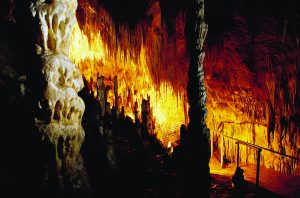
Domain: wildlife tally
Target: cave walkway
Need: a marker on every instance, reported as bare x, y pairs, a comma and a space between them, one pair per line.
284, 185
127, 166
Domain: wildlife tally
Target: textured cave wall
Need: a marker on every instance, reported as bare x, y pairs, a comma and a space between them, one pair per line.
252, 76
18, 148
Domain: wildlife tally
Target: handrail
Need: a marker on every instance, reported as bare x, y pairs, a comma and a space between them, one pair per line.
238, 142
258, 147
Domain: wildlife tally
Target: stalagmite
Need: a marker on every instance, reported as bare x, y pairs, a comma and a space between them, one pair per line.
146, 116
196, 148
101, 93
136, 112
58, 108
116, 94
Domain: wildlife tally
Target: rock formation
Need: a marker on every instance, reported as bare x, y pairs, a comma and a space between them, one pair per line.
252, 78
58, 109
101, 94
196, 148
116, 95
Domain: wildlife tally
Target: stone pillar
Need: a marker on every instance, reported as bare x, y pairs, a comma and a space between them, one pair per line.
145, 118
196, 147
136, 112
101, 93
106, 92
116, 95
58, 109
196, 88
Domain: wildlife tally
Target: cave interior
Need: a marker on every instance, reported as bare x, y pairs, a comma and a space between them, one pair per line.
120, 98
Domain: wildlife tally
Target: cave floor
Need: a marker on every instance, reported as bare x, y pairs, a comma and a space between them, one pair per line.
145, 169
285, 185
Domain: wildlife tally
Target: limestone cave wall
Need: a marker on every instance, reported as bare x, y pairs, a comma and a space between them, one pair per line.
252, 77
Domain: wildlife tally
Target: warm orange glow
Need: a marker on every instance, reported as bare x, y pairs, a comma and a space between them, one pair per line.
149, 61
93, 54
236, 125
169, 144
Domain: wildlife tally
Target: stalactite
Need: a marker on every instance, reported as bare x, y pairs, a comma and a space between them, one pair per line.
284, 30
271, 84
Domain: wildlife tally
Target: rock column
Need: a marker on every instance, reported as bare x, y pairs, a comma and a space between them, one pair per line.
58, 109
116, 87
196, 147
101, 94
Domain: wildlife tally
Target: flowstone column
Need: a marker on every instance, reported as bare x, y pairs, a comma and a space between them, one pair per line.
196, 147
58, 109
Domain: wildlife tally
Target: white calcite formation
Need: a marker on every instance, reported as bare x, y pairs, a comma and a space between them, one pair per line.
59, 109
56, 20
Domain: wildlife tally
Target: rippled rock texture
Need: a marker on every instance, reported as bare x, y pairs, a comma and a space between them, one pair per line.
58, 110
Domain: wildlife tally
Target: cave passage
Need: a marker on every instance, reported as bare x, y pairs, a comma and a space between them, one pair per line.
141, 98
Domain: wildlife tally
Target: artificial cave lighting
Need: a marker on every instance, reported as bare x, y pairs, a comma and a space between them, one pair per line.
137, 62
141, 98
151, 63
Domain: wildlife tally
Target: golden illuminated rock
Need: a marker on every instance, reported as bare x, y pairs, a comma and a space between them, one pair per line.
136, 58
256, 101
